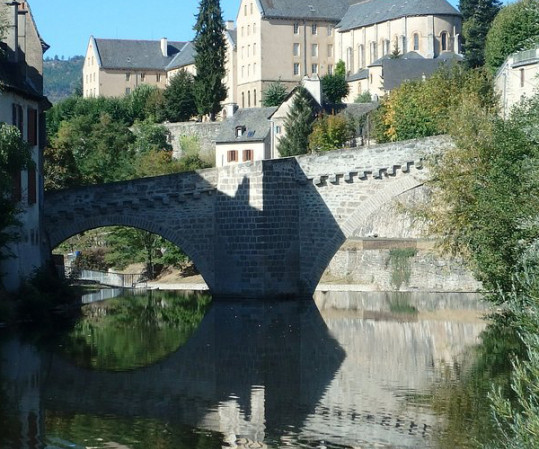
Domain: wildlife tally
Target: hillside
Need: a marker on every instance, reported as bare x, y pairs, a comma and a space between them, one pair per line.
62, 77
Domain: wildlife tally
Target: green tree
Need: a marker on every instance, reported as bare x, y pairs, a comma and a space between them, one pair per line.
210, 56
421, 108
274, 94
334, 88
60, 168
515, 28
150, 137
331, 132
298, 125
478, 16
14, 156
180, 103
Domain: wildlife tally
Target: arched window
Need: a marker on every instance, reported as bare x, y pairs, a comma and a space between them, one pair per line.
349, 59
373, 52
415, 39
443, 39
361, 56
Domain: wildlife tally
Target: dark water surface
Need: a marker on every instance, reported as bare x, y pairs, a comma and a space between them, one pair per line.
169, 371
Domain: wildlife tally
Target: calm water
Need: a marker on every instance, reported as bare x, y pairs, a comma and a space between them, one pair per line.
347, 370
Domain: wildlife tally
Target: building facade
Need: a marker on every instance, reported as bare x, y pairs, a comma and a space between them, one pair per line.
518, 78
22, 104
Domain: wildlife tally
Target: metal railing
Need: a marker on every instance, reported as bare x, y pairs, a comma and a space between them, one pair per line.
108, 278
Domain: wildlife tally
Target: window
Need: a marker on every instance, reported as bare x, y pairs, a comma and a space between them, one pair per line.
374, 52
314, 29
127, 76
522, 78
314, 50
243, 99
248, 98
330, 69
330, 30
248, 30
158, 77
444, 41
240, 130
296, 49
241, 31
251, 8
296, 28
349, 59
330, 51
127, 90
416, 41
32, 126
32, 184
232, 156
314, 69
386, 44
254, 28
249, 70
248, 50
277, 129
142, 76
247, 155
244, 10
254, 97
17, 118
254, 49
361, 56
296, 68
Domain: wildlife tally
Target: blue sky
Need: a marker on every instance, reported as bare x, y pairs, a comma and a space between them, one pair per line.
66, 25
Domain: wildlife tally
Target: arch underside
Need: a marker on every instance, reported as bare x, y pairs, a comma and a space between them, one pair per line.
384, 198
188, 243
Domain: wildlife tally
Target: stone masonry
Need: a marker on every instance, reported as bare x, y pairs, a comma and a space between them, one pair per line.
266, 229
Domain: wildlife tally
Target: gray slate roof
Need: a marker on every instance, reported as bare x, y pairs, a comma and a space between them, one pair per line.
135, 54
305, 9
396, 71
185, 57
369, 12
256, 123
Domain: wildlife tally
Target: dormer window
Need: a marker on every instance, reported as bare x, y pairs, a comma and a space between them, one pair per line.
240, 130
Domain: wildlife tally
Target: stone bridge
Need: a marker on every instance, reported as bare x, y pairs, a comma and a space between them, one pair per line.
266, 229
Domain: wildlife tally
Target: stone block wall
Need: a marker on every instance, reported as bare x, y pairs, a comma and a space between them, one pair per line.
205, 132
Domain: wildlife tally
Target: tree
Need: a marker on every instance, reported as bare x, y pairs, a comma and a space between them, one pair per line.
210, 48
180, 103
334, 88
14, 156
477, 15
298, 125
515, 28
331, 132
420, 108
274, 94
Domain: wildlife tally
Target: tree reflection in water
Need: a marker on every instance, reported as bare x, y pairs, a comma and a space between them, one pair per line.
133, 331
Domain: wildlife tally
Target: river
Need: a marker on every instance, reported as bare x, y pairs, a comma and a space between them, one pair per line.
170, 370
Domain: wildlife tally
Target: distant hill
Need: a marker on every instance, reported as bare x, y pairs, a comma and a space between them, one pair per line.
61, 78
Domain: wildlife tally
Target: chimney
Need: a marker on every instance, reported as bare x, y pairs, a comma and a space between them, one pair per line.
13, 32
229, 25
230, 109
314, 86
164, 46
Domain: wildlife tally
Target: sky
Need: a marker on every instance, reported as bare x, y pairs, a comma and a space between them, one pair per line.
66, 25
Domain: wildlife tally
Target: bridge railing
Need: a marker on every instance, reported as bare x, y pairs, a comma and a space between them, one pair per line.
108, 278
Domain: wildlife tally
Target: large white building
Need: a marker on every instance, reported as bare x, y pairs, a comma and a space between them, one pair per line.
22, 104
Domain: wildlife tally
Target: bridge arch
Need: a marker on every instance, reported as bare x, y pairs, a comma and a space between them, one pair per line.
363, 213
182, 240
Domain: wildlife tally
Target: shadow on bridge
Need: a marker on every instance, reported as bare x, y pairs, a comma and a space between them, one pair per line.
257, 230
250, 368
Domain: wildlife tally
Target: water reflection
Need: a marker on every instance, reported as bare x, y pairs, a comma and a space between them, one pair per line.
345, 370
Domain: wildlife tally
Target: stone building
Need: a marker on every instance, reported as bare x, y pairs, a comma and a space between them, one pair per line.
22, 104
518, 78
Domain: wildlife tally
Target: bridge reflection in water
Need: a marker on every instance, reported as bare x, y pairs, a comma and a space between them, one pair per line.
338, 369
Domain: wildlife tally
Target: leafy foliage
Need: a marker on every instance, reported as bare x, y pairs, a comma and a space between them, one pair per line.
334, 88
210, 47
180, 102
515, 28
484, 189
421, 108
477, 15
331, 132
363, 97
298, 125
274, 94
14, 156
